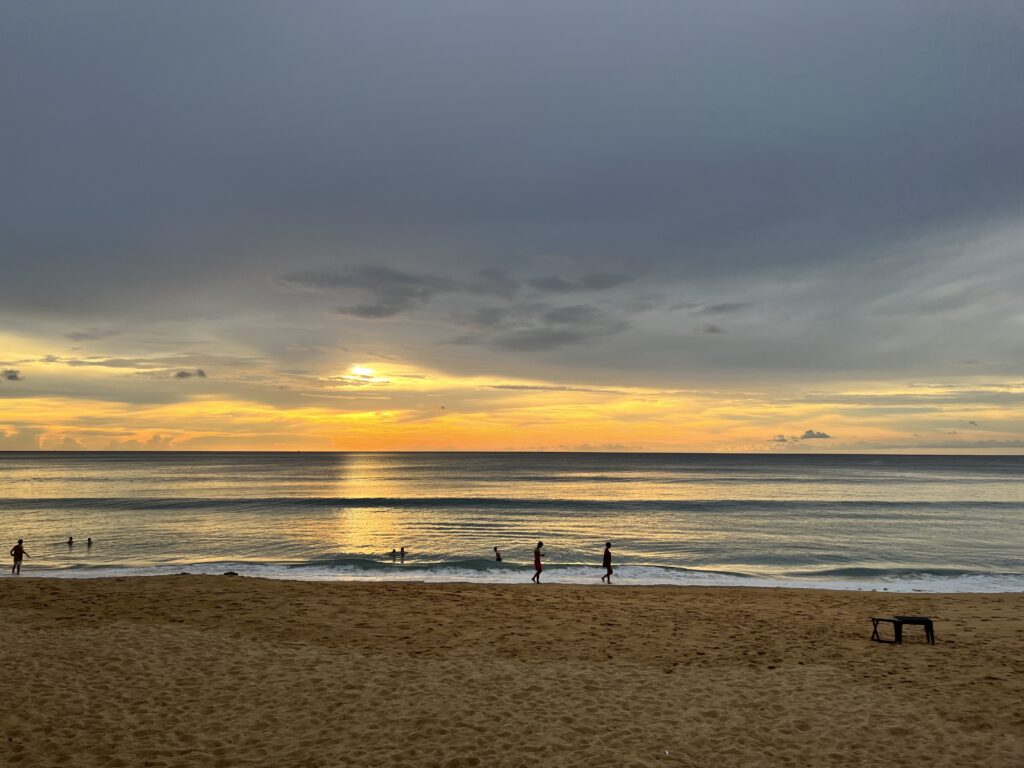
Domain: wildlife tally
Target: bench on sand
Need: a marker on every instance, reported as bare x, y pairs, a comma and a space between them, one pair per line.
897, 627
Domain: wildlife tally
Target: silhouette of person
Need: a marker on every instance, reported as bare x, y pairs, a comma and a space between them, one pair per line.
401, 555
497, 555
606, 563
71, 542
393, 555
88, 543
537, 555
18, 552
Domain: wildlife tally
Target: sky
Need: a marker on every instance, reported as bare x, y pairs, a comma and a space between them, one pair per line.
650, 226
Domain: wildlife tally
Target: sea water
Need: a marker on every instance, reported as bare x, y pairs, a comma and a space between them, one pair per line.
930, 523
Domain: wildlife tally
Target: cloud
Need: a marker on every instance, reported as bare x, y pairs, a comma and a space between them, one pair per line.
539, 339
718, 309
197, 373
588, 447
10, 374
91, 335
553, 388
157, 442
21, 439
710, 328
971, 444
483, 317
156, 363
810, 434
537, 326
780, 439
66, 443
559, 327
578, 314
594, 281
394, 291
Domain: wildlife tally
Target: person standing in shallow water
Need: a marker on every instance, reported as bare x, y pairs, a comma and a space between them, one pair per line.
606, 563
71, 541
497, 555
18, 552
401, 555
537, 555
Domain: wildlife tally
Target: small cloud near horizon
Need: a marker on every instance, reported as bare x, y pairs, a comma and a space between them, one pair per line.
810, 434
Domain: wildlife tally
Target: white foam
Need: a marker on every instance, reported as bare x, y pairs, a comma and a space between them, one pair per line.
624, 575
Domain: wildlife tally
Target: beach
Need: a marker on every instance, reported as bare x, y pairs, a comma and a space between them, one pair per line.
235, 671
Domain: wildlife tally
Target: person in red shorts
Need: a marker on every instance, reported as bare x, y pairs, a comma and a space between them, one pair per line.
18, 552
537, 555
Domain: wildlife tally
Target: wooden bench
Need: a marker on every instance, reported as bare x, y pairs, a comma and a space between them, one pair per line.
897, 627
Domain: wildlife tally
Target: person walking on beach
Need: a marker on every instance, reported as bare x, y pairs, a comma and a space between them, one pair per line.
18, 552
497, 555
537, 555
606, 563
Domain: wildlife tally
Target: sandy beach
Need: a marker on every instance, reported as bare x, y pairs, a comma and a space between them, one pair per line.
223, 671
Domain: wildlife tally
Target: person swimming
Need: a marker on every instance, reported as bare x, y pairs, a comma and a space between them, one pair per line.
537, 555
497, 555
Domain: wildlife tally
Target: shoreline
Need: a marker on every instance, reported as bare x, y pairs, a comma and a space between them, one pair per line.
569, 575
516, 584
217, 670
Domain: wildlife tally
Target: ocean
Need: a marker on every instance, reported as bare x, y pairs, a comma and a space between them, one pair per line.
927, 523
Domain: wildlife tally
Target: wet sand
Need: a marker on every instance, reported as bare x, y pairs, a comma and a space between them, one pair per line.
222, 671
